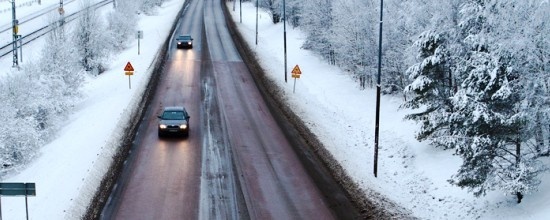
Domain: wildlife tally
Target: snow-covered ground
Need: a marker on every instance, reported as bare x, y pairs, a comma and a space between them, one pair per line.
410, 173
69, 168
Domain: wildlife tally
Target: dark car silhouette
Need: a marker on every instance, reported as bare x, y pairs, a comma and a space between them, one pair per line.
184, 41
174, 120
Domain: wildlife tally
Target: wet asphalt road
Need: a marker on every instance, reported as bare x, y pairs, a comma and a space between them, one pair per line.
236, 163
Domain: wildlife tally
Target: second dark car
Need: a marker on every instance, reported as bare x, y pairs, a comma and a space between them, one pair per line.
184, 41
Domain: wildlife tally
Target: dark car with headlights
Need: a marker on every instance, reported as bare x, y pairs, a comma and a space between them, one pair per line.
184, 41
174, 120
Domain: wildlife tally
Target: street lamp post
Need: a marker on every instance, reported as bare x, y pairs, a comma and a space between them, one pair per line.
284, 35
377, 125
257, 21
241, 11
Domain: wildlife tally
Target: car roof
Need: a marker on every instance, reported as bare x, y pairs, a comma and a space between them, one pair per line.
185, 36
174, 108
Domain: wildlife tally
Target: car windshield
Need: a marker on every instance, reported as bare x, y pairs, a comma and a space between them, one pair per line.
186, 37
172, 115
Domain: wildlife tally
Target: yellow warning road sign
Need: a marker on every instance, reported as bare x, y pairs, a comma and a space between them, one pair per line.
296, 70
129, 67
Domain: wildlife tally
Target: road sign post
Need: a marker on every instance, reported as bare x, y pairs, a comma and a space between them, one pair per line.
296, 72
139, 36
129, 71
18, 189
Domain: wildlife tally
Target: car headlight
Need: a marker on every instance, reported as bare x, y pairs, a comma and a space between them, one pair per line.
183, 126
189, 43
162, 126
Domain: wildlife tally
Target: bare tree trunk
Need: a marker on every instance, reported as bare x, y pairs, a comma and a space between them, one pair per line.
539, 138
362, 79
547, 153
519, 195
402, 86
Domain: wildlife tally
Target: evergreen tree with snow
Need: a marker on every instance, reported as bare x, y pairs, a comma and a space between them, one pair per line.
431, 89
491, 129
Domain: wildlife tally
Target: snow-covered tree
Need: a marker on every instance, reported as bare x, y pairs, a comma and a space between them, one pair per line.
122, 24
527, 35
274, 7
294, 12
354, 36
431, 89
61, 76
149, 7
317, 22
491, 129
398, 36
90, 40
59, 63
19, 132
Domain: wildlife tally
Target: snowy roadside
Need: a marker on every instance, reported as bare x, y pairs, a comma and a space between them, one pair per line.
410, 173
342, 116
70, 168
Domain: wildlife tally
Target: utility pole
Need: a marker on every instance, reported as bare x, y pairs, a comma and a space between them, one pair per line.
61, 13
284, 34
15, 29
241, 11
377, 126
257, 21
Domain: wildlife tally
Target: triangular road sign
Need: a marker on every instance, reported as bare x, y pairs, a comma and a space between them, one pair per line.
129, 67
296, 70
